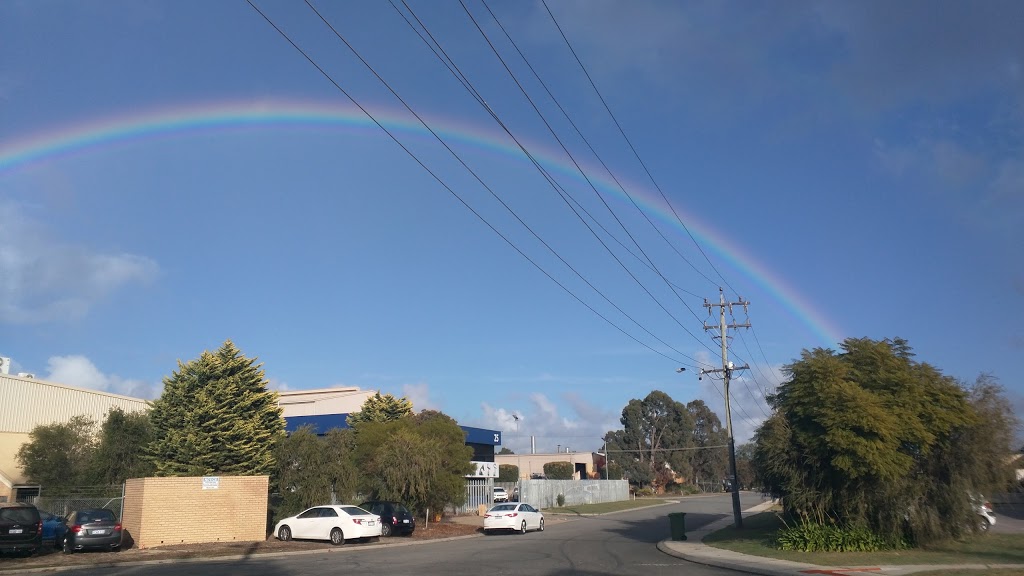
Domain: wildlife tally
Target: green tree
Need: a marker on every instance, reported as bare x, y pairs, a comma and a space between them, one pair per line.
745, 466
508, 472
314, 470
216, 416
57, 456
378, 408
120, 453
651, 429
558, 470
871, 437
421, 461
505, 450
711, 462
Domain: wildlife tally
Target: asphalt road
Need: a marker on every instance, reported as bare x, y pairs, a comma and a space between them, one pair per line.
617, 544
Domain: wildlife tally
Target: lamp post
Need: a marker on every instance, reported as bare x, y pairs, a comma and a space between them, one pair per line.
519, 461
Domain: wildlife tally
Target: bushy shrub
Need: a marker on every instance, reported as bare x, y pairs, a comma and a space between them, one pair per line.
508, 473
558, 471
645, 493
560, 500
818, 537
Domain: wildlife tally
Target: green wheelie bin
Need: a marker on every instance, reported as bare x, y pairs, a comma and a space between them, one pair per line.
677, 521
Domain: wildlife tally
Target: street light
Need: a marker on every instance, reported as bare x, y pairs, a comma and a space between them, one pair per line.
519, 461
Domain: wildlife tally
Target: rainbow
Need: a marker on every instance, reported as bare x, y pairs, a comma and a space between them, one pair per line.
103, 132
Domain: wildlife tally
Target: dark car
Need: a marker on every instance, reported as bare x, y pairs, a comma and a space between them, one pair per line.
21, 528
394, 517
54, 528
96, 528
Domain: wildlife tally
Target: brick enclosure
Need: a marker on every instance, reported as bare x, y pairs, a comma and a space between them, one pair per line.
164, 511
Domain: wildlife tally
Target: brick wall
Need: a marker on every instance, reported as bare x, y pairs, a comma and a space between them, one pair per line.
164, 511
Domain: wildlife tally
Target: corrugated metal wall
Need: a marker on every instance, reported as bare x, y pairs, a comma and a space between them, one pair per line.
26, 403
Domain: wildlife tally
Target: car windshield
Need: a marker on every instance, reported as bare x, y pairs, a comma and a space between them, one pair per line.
504, 508
499, 489
17, 514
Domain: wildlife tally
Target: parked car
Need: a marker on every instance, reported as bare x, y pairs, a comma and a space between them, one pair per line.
394, 517
94, 528
21, 528
334, 523
500, 495
984, 509
515, 517
54, 528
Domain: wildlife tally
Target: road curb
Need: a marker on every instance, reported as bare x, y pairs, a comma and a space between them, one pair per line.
261, 555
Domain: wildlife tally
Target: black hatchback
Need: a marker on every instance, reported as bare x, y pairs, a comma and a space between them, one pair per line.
21, 528
394, 517
94, 528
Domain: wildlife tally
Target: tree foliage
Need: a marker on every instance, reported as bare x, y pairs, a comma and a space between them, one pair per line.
505, 450
870, 437
651, 429
711, 462
216, 416
558, 470
508, 473
745, 466
58, 456
381, 408
120, 451
314, 470
420, 460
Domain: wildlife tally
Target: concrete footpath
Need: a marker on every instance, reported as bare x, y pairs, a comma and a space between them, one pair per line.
694, 550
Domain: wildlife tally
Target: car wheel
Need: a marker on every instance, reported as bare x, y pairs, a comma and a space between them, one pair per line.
385, 530
522, 527
337, 537
541, 524
285, 533
985, 524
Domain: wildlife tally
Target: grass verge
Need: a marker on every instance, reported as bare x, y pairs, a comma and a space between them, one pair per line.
759, 531
605, 507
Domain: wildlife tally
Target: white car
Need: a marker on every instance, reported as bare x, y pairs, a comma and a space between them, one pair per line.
984, 509
512, 516
334, 523
500, 495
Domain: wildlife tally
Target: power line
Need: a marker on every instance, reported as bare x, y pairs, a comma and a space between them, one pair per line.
587, 142
494, 194
589, 182
455, 71
453, 68
440, 181
630, 143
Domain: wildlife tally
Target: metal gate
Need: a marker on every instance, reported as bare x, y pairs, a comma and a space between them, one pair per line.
478, 491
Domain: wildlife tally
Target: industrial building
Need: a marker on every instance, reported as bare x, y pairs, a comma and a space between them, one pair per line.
327, 408
29, 402
584, 464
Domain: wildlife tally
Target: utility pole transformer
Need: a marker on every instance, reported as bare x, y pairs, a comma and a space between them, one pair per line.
726, 370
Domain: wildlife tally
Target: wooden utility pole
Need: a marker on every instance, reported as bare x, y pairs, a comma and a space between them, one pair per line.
726, 370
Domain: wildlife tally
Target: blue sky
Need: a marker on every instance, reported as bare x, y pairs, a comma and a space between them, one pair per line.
174, 175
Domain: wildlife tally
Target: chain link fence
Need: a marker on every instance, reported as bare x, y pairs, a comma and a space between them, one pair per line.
63, 502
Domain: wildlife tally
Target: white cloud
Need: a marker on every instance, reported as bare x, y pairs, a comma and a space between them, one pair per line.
419, 395
46, 280
278, 385
77, 370
580, 428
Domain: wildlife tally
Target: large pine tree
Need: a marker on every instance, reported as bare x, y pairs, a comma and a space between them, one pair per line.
216, 416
